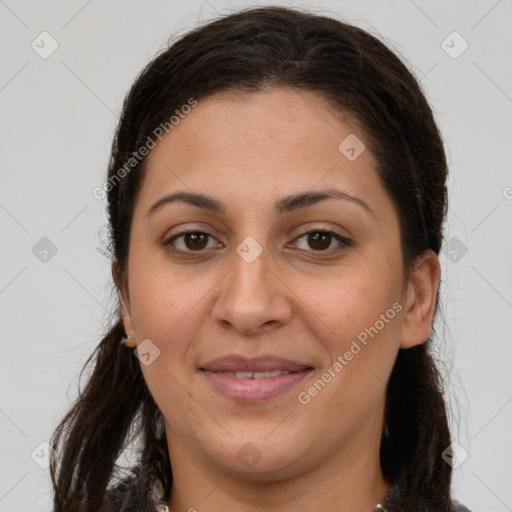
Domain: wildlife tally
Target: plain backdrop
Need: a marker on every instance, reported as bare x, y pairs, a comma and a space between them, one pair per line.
65, 68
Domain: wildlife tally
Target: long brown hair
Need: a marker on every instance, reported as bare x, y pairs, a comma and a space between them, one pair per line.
358, 75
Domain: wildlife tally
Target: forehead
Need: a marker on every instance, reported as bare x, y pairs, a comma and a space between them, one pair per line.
261, 145
277, 117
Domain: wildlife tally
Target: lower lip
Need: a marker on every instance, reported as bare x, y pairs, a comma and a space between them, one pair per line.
254, 390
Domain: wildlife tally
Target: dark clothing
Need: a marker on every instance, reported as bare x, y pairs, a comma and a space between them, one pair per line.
126, 498
394, 500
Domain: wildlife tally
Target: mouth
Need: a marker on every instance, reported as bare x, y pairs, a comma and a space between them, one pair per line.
255, 375
253, 380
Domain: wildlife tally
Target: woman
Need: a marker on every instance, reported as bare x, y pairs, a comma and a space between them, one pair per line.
276, 196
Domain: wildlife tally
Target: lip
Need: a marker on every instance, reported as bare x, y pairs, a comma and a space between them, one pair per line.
252, 389
247, 390
236, 363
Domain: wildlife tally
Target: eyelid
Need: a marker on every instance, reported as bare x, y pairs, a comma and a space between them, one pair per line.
191, 228
343, 240
321, 229
168, 241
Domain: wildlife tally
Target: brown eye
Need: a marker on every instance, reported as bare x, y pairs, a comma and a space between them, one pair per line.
194, 241
190, 241
320, 241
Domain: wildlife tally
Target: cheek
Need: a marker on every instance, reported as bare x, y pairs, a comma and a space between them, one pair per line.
164, 310
361, 352
348, 303
161, 298
360, 324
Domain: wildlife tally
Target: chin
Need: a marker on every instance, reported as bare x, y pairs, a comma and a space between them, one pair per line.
255, 458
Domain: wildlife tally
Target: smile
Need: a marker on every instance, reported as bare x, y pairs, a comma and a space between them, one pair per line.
254, 386
255, 375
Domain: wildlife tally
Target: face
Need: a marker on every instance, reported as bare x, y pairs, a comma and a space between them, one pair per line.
293, 253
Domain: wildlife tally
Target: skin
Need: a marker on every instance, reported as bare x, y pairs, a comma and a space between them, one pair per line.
294, 300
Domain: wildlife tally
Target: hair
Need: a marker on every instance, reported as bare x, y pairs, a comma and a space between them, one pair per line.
246, 52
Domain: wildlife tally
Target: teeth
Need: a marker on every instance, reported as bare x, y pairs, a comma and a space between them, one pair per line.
242, 375
257, 375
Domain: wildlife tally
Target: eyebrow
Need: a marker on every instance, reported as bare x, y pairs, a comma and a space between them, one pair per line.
285, 205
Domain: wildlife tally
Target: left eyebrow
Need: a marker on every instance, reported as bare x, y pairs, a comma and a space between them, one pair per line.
284, 205
304, 199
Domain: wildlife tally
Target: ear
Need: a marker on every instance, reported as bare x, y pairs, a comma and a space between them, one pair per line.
125, 305
420, 300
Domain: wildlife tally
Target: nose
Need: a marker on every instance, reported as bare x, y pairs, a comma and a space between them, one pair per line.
253, 297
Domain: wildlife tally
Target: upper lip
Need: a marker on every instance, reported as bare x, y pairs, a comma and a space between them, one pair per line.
236, 363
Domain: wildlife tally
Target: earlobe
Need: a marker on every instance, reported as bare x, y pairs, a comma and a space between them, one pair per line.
420, 301
129, 342
127, 323
125, 307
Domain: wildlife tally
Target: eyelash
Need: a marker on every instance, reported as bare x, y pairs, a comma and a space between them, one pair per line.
344, 242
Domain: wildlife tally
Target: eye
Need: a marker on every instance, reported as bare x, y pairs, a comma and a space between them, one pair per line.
318, 240
192, 241
321, 240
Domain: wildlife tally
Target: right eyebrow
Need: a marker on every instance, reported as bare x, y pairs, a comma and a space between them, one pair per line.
194, 199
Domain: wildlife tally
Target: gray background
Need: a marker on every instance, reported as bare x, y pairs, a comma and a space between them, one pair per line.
58, 117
